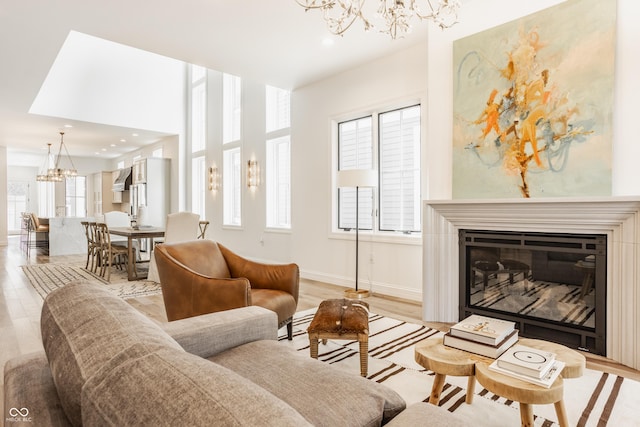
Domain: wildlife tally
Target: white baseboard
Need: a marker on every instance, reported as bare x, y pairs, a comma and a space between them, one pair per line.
392, 290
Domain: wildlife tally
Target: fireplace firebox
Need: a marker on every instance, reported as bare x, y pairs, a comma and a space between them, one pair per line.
553, 285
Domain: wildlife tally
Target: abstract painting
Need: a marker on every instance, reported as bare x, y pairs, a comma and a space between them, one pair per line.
533, 105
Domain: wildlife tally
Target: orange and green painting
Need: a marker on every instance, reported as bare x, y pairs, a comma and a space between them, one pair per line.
533, 105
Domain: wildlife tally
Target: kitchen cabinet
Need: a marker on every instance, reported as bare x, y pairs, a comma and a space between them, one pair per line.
104, 198
151, 191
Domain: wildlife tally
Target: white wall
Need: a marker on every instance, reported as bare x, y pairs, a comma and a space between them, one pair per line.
626, 149
396, 268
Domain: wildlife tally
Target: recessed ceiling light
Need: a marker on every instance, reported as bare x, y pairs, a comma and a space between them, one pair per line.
68, 126
97, 153
104, 149
134, 134
123, 140
113, 145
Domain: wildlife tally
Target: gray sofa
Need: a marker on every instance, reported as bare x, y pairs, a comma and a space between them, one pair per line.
104, 363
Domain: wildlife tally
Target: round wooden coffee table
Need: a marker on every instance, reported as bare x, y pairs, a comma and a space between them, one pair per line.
431, 354
528, 394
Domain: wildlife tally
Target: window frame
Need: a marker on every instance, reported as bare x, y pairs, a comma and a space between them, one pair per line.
375, 234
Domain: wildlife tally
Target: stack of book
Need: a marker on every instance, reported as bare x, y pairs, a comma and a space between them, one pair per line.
529, 364
482, 335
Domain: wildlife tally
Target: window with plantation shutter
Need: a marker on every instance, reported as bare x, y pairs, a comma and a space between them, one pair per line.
399, 169
355, 151
387, 141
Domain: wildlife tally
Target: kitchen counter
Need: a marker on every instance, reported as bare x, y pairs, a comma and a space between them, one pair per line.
67, 236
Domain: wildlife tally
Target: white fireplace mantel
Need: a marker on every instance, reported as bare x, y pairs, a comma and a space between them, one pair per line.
617, 217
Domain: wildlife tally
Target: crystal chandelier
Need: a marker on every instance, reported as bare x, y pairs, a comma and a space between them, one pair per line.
53, 170
396, 14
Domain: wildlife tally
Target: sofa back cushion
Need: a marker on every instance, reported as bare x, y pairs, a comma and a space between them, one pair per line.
84, 325
171, 388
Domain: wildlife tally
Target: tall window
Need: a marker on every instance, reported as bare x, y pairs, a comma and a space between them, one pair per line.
278, 148
198, 108
231, 187
278, 108
355, 151
395, 149
399, 166
198, 180
231, 108
279, 183
198, 138
76, 196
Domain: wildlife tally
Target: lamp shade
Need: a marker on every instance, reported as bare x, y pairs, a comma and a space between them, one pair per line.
357, 178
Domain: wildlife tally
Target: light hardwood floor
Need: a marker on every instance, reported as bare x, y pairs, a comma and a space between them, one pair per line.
20, 308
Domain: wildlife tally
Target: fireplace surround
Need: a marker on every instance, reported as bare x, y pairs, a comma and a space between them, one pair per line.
617, 217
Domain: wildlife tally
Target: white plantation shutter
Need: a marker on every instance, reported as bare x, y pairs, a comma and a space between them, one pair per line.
399, 170
355, 147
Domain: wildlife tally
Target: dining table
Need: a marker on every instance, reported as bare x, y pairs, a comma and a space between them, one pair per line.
134, 233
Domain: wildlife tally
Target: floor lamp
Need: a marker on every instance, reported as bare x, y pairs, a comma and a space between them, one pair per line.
357, 178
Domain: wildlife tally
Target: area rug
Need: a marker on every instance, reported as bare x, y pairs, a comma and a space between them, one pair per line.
46, 277
595, 399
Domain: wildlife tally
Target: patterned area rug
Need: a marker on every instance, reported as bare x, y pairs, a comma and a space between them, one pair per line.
46, 277
595, 399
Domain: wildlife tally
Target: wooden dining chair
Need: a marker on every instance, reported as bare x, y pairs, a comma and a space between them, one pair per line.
110, 255
92, 244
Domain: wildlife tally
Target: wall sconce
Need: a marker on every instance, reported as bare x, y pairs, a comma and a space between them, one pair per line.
253, 174
214, 179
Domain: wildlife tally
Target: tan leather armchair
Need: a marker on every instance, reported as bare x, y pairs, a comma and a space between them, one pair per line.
202, 276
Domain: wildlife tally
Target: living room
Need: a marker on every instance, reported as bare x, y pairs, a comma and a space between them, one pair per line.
393, 265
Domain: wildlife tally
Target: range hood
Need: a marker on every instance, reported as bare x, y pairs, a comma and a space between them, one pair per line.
123, 181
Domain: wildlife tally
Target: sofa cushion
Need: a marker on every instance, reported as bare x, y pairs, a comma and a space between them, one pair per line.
29, 388
324, 395
83, 326
171, 388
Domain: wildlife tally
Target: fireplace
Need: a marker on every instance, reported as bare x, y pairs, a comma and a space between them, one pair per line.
553, 285
618, 218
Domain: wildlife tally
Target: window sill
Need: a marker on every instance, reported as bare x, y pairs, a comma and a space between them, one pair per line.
391, 238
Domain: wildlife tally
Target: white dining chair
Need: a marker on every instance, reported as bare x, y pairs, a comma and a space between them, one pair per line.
181, 227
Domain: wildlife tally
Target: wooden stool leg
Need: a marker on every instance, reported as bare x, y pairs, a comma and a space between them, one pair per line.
363, 339
436, 390
561, 413
471, 387
526, 414
313, 345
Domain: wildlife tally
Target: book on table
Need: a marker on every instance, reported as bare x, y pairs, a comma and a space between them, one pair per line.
556, 368
527, 360
486, 330
482, 349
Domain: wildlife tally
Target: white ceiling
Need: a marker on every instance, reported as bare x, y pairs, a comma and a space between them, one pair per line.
272, 42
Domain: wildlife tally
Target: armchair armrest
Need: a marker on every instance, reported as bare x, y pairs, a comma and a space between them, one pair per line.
213, 333
187, 293
282, 277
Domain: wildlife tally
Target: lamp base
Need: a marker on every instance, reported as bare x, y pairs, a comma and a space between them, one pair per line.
356, 293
